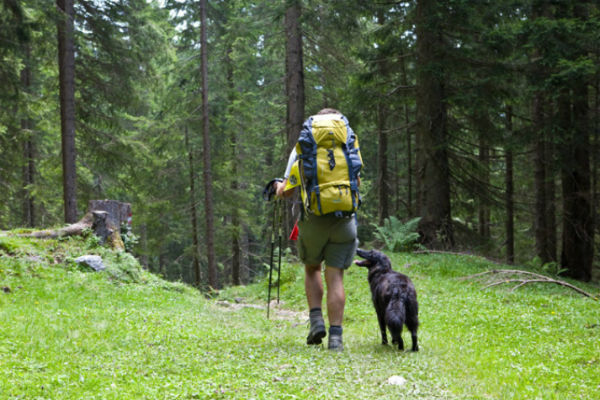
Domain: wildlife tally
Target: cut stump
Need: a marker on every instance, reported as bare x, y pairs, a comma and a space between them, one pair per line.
104, 218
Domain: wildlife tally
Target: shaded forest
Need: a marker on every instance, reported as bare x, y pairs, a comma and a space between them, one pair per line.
482, 118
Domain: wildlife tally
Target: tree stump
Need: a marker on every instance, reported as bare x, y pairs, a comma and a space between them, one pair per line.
104, 218
109, 216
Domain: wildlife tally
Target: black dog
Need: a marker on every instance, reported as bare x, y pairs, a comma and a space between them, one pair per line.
394, 297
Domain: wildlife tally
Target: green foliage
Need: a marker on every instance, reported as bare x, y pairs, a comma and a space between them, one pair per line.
130, 239
71, 333
7, 245
398, 236
138, 92
550, 268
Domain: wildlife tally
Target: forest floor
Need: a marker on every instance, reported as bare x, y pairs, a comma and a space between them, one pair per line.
67, 332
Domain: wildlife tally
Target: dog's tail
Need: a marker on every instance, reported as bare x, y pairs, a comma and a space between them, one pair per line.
395, 313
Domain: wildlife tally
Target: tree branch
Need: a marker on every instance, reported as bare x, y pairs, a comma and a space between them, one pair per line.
521, 280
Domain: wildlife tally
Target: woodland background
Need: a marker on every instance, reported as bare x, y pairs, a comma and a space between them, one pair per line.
480, 117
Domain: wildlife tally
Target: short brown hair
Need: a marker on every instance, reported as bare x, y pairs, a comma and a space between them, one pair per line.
328, 111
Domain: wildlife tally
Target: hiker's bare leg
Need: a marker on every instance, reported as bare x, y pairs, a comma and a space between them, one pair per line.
336, 296
313, 285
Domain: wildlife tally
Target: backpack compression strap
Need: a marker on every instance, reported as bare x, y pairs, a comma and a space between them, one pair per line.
350, 141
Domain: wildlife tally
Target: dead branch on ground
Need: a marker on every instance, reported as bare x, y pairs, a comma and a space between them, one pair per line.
522, 278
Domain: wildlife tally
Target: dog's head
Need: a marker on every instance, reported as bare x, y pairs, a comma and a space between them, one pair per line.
373, 258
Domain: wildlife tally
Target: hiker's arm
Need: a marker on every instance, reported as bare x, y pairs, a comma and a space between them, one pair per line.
281, 185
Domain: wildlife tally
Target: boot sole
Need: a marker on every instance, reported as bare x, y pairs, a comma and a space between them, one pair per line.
317, 337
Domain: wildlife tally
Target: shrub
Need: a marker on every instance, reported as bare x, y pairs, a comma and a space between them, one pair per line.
397, 236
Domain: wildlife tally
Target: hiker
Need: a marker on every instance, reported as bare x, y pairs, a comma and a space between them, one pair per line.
327, 227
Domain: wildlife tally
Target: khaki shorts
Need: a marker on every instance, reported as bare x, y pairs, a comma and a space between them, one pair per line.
328, 238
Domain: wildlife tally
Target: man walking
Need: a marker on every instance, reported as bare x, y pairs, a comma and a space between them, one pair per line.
329, 164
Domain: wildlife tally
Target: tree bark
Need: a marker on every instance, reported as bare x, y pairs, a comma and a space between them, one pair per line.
485, 126
578, 222
194, 214
382, 136
409, 150
294, 73
28, 147
539, 160
236, 251
66, 62
435, 226
294, 89
544, 219
207, 174
509, 192
382, 164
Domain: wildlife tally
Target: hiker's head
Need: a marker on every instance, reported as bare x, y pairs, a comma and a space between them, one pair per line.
328, 111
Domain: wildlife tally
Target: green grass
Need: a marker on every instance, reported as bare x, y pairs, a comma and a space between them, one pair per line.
68, 333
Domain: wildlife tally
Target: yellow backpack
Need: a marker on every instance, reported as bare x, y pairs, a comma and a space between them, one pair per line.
329, 164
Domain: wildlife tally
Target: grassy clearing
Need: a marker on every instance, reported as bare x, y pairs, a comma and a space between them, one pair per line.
125, 334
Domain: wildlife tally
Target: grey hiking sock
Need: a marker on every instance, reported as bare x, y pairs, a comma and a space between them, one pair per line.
335, 343
335, 338
335, 330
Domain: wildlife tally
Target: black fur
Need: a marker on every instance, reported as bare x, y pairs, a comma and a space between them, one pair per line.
394, 297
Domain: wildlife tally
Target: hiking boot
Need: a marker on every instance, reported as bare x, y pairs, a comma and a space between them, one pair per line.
316, 333
335, 343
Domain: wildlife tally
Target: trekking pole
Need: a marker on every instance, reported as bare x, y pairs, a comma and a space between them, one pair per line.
271, 258
280, 202
268, 193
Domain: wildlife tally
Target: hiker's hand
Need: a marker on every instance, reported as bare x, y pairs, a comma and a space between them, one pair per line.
280, 192
271, 189
279, 186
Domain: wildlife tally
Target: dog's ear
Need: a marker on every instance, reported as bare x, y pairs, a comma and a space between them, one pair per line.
381, 259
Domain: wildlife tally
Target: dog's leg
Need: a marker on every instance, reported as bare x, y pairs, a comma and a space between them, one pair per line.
397, 339
412, 323
381, 319
415, 345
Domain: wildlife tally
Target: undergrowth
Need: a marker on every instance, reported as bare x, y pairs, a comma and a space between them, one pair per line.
67, 332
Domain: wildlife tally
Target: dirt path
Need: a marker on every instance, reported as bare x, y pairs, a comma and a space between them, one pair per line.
276, 310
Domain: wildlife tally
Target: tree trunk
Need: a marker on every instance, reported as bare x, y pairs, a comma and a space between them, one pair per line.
28, 147
578, 224
194, 214
435, 226
409, 171
143, 257
382, 164
485, 127
66, 63
294, 89
236, 251
595, 147
382, 136
509, 192
540, 160
294, 73
551, 238
208, 195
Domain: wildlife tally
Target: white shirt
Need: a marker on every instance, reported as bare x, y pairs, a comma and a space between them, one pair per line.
291, 160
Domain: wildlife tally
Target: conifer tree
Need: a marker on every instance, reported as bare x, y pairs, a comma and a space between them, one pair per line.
66, 61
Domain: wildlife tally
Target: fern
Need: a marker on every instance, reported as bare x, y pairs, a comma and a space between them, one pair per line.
398, 236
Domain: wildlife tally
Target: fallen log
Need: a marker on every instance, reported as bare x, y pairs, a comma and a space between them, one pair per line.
104, 218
